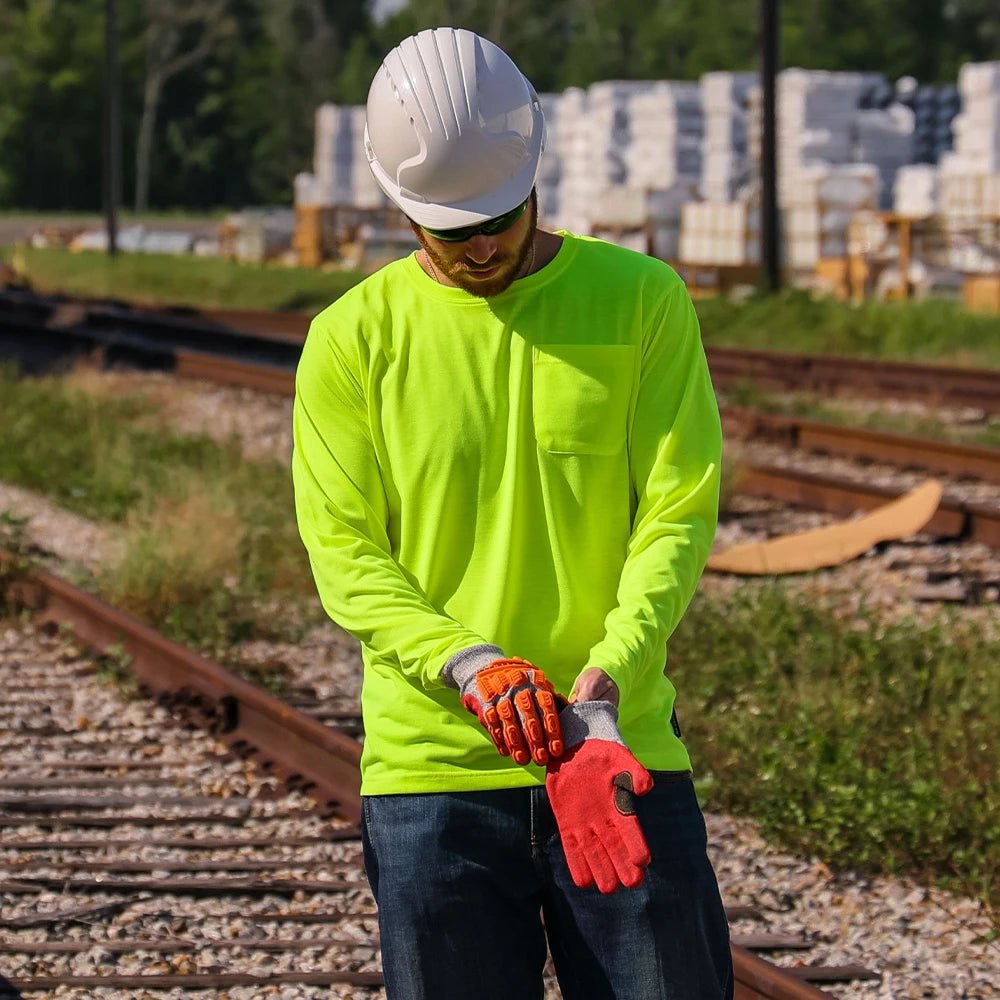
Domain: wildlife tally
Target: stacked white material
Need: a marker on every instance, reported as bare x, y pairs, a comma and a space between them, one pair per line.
638, 135
817, 121
970, 175
819, 208
969, 198
550, 169
816, 115
570, 189
665, 130
340, 167
664, 208
915, 191
885, 138
262, 233
720, 233
644, 219
977, 128
725, 162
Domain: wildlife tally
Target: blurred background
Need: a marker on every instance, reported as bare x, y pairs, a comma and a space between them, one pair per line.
235, 132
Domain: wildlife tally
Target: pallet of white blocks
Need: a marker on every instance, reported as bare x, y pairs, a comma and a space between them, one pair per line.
340, 166
977, 127
915, 191
719, 234
725, 161
644, 219
885, 138
819, 205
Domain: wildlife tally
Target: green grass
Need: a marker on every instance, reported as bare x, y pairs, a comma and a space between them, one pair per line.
210, 539
204, 282
909, 331
873, 746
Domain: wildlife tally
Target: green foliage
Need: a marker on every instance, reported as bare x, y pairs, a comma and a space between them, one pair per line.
797, 321
15, 560
235, 127
196, 281
208, 536
871, 745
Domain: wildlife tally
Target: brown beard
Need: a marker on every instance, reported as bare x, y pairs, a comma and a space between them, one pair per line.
510, 267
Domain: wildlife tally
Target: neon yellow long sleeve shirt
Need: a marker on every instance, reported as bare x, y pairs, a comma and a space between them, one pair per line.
538, 471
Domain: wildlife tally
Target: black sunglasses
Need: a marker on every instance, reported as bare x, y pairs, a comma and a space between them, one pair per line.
491, 227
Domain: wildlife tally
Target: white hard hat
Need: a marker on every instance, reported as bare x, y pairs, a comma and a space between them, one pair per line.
454, 131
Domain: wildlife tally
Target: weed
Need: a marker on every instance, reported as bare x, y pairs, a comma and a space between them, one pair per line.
796, 321
114, 669
208, 536
871, 745
195, 281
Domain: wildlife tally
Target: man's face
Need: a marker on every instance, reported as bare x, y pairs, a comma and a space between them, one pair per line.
483, 265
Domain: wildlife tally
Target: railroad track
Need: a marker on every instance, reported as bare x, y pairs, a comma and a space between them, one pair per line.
136, 856
139, 855
202, 344
64, 326
259, 351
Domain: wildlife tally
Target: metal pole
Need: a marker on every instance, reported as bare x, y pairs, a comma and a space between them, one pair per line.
770, 235
112, 126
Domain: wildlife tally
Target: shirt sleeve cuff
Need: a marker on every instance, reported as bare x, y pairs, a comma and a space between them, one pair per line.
466, 663
589, 720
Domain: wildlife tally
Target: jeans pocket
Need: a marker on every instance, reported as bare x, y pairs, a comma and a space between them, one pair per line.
580, 397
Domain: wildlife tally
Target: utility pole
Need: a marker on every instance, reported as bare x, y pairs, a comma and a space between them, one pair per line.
112, 126
770, 235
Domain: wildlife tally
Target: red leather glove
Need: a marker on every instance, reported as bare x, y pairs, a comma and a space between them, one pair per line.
590, 790
514, 701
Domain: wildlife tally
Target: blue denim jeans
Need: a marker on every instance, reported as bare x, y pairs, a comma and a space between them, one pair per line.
470, 884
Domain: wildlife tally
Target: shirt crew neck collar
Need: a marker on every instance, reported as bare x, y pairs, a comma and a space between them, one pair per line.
458, 296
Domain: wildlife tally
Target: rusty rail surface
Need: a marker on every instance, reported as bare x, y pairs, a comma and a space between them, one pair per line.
932, 384
904, 450
150, 335
319, 761
954, 519
843, 497
233, 709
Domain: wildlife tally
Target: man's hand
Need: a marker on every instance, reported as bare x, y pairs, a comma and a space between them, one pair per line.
518, 707
591, 789
594, 685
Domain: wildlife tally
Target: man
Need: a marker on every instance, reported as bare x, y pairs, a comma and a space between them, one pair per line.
507, 466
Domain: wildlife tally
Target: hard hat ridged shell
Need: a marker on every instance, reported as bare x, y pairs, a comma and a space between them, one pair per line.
454, 130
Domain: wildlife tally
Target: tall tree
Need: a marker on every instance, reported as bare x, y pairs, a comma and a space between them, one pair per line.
177, 35
50, 108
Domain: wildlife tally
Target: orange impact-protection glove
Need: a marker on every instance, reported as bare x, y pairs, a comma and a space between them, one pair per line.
513, 700
590, 790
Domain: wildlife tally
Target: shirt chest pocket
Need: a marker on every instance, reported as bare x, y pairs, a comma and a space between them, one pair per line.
580, 397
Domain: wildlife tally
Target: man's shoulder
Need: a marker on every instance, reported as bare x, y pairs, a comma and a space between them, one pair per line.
360, 299
613, 262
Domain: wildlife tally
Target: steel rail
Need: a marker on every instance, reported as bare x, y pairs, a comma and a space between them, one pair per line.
233, 709
932, 384
908, 451
324, 763
153, 333
954, 519
843, 497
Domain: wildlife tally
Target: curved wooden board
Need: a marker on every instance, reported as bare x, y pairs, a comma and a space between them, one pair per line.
834, 544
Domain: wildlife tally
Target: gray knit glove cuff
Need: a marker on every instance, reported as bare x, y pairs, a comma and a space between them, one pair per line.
589, 720
466, 663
